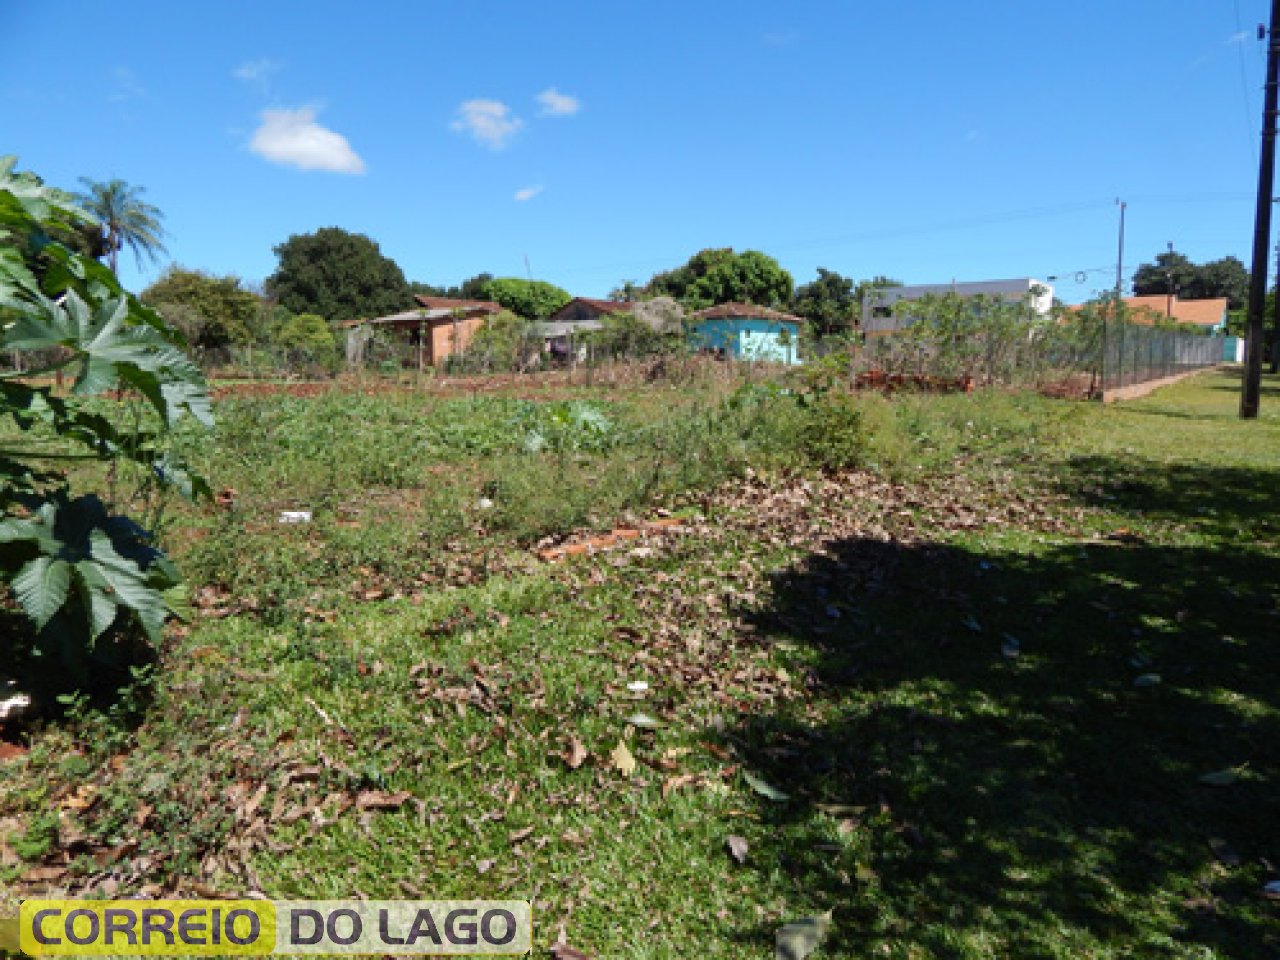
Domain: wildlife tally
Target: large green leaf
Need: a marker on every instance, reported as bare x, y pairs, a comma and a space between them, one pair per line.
41, 586
36, 530
97, 596
129, 584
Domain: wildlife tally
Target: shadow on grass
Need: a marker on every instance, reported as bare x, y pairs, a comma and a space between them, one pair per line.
1043, 804
1232, 382
1219, 501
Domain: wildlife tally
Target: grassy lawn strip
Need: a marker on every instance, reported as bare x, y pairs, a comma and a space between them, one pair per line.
965, 700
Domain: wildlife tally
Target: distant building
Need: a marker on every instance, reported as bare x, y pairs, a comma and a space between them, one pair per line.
1210, 313
581, 315
879, 317
435, 332
1156, 308
586, 313
747, 332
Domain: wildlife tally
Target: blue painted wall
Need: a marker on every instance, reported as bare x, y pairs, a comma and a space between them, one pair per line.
750, 338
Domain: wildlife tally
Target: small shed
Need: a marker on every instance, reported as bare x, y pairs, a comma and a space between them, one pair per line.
434, 333
747, 332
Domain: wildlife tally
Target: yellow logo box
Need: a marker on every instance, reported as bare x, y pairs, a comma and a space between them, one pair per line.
207, 928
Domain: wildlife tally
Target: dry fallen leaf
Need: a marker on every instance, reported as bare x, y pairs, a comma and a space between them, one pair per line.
838, 809
515, 836
672, 784
575, 755
622, 759
562, 951
716, 750
44, 874
738, 847
378, 800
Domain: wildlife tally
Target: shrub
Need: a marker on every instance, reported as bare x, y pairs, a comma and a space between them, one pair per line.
307, 338
832, 433
81, 574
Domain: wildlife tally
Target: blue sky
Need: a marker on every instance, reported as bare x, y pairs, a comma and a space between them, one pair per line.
927, 141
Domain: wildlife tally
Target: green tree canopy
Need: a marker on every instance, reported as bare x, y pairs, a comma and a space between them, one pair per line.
473, 288
827, 303
722, 276
338, 275
531, 299
212, 311
1192, 281
124, 220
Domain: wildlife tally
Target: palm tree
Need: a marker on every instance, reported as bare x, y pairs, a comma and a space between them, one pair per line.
125, 218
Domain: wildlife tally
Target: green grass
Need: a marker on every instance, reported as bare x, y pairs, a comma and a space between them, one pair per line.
845, 638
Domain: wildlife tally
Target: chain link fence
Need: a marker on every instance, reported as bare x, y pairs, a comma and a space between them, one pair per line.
1133, 353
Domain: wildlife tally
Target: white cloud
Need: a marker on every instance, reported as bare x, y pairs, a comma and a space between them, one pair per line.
528, 193
489, 121
125, 85
255, 71
294, 139
557, 104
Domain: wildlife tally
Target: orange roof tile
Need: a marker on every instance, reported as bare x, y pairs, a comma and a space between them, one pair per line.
747, 310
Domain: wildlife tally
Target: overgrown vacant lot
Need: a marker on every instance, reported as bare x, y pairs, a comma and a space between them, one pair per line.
1007, 690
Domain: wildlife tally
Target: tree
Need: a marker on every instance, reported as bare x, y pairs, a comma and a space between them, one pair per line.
211, 311
83, 576
1174, 272
504, 341
309, 336
625, 292
827, 303
868, 288
338, 275
473, 288
531, 299
721, 276
124, 220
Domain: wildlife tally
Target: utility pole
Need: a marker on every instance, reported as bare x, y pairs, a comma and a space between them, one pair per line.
1275, 309
1119, 294
1252, 390
1168, 279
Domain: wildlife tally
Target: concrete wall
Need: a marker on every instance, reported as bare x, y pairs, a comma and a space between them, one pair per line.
447, 337
883, 299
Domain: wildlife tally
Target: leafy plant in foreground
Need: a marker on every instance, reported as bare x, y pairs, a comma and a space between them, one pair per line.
77, 570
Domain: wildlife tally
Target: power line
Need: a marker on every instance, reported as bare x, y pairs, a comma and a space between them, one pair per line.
918, 229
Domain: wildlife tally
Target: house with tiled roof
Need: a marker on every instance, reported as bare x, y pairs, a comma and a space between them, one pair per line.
586, 312
1209, 314
745, 331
